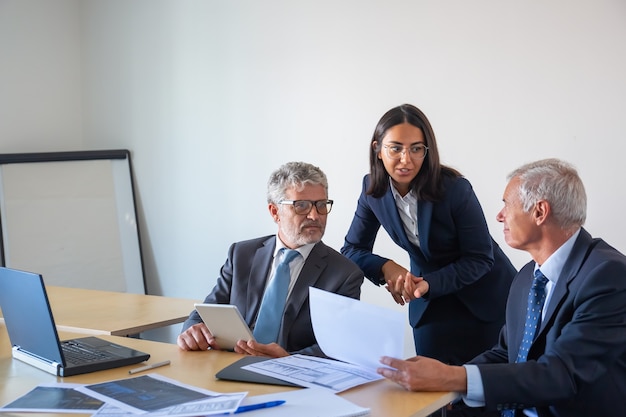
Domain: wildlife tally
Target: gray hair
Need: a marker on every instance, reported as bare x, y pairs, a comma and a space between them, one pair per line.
293, 174
558, 183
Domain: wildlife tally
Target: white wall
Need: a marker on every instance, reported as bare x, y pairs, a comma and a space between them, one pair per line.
211, 96
40, 76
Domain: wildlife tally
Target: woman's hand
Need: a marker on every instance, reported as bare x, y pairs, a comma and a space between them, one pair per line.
401, 284
414, 287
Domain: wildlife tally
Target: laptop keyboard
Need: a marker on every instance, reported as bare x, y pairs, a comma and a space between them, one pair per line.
77, 353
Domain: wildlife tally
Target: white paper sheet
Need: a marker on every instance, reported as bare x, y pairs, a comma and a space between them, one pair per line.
307, 402
354, 331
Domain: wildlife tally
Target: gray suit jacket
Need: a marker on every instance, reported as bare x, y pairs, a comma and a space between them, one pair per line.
242, 283
577, 364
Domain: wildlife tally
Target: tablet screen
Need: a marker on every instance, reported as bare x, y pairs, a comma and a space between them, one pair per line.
225, 323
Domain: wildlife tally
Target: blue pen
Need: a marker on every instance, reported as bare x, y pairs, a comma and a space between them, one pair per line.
244, 408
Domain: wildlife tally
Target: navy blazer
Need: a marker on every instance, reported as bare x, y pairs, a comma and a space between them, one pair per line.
243, 278
577, 364
457, 255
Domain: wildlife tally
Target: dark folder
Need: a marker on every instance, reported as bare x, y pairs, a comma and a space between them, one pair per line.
234, 372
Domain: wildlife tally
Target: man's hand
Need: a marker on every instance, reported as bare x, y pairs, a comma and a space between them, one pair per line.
197, 337
272, 350
424, 374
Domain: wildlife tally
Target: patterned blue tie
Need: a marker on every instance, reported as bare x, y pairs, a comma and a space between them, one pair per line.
536, 299
273, 304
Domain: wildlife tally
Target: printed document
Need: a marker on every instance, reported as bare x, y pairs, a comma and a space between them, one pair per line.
354, 333
159, 395
151, 394
54, 398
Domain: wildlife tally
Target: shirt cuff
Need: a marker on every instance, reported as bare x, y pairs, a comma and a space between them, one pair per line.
475, 396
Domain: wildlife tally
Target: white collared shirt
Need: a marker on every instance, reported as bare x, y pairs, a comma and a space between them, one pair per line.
407, 208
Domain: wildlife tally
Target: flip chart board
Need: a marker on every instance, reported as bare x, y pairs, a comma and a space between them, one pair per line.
71, 217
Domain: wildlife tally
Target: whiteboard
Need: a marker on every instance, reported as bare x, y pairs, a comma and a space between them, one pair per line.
71, 217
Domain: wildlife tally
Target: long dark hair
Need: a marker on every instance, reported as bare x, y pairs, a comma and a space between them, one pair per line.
427, 183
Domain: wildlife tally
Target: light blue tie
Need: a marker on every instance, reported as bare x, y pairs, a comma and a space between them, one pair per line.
536, 299
273, 304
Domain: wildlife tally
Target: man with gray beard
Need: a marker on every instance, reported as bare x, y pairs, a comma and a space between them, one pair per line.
297, 196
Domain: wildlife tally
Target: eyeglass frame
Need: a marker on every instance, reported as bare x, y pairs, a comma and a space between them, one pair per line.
404, 151
327, 203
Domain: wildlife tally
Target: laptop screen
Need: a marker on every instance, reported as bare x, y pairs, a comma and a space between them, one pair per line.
27, 314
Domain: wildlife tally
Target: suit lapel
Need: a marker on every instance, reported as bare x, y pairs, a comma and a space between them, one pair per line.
309, 275
572, 266
424, 215
258, 276
395, 228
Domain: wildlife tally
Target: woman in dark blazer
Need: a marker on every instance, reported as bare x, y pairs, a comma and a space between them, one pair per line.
459, 277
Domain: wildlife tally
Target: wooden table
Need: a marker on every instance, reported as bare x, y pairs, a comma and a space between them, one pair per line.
384, 398
114, 313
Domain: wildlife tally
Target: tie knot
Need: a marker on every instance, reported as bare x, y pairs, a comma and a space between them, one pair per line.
288, 255
540, 280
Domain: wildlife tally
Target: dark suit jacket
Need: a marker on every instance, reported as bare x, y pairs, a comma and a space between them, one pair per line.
242, 283
577, 364
457, 255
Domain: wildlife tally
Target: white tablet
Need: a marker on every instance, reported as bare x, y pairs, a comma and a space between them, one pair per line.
225, 323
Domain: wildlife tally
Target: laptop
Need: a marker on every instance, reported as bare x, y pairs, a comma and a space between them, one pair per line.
34, 338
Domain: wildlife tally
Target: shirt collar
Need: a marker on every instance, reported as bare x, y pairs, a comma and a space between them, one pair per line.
396, 194
304, 250
553, 266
